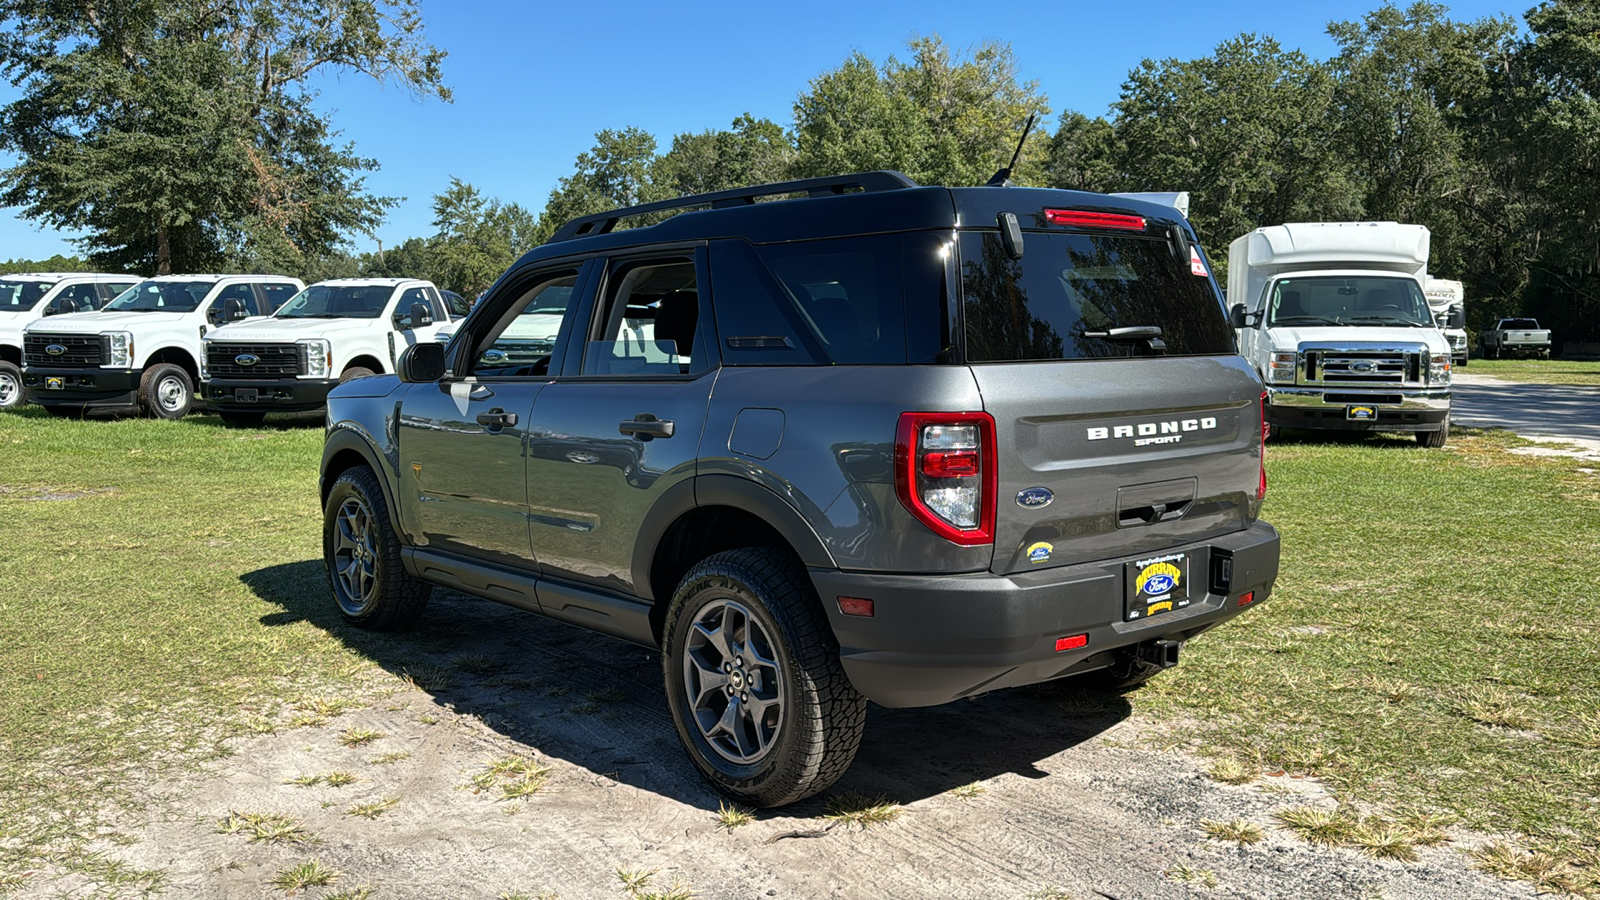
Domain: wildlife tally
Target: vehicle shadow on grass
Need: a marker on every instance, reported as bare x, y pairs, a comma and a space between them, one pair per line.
597, 702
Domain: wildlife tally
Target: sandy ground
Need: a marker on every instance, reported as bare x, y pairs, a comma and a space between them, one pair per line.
1074, 803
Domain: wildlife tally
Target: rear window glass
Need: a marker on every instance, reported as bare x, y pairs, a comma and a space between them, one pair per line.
1520, 324
1068, 293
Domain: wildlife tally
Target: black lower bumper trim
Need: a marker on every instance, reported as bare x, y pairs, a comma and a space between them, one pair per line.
86, 388
1336, 419
267, 395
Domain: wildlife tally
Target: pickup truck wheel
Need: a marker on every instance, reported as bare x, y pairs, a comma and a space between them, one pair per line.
754, 682
1433, 440
362, 555
354, 372
10, 386
165, 391
242, 419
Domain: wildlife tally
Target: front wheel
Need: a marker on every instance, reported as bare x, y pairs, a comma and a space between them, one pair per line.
1433, 440
354, 372
362, 556
165, 391
754, 682
10, 386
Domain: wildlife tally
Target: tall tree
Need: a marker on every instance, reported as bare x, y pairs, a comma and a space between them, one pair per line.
941, 117
478, 238
1083, 155
181, 133
754, 151
616, 172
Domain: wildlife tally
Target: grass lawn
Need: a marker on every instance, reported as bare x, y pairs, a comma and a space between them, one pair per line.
1432, 642
1540, 371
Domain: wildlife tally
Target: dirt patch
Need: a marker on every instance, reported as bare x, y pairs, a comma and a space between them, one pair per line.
1037, 792
49, 493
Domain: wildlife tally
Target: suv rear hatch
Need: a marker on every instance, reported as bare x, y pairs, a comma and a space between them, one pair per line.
1112, 438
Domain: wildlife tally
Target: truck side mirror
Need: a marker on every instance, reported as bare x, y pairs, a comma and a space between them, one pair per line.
420, 316
1238, 318
1458, 318
421, 363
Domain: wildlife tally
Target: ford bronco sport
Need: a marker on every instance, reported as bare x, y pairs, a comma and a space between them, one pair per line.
864, 440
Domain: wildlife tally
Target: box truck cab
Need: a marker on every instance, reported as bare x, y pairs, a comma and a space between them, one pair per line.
1334, 317
1447, 299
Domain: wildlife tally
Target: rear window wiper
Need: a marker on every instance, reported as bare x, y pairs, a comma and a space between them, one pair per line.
1150, 334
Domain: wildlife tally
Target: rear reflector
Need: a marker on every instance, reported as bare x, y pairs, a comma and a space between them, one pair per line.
855, 606
1086, 219
1247, 598
1072, 643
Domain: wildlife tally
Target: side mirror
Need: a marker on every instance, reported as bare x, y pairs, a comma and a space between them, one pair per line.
420, 316
1238, 318
1458, 318
421, 363
233, 310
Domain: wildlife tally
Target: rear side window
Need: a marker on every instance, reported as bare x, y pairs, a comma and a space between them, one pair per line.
1067, 293
276, 294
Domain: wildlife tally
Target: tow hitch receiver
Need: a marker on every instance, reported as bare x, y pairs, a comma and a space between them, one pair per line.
1160, 654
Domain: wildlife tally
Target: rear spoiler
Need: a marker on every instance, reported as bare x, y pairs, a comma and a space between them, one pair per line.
1178, 200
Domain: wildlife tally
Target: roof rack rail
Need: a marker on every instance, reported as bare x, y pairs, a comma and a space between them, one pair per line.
867, 182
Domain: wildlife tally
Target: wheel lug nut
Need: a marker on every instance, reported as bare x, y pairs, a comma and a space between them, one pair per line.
745, 697
727, 667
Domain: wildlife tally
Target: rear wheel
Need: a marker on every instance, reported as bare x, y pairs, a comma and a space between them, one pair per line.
1433, 440
754, 682
362, 556
165, 391
10, 386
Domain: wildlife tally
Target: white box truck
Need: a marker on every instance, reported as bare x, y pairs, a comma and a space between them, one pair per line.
1334, 317
1448, 301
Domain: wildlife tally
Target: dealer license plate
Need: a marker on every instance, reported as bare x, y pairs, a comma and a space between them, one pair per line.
1361, 413
1157, 585
54, 384
244, 395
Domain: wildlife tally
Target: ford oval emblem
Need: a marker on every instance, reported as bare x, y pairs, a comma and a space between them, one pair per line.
55, 349
1034, 498
1159, 584
247, 359
1363, 367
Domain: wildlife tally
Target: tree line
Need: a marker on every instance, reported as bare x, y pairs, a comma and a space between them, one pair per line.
1486, 131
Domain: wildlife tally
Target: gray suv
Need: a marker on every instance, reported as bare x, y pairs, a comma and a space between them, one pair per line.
824, 442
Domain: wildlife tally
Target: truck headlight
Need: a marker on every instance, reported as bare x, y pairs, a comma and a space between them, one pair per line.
1439, 368
118, 347
318, 356
1280, 368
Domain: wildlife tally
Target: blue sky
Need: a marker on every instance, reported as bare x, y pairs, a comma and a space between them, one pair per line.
534, 81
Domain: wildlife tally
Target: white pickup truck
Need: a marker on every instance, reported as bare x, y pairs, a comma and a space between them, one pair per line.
1333, 316
34, 295
1515, 337
329, 333
142, 350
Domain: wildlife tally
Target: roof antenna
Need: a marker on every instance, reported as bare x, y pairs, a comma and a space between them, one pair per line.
1002, 178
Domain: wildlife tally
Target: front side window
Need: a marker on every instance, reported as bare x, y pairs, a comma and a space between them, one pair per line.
233, 300
19, 296
162, 296
1085, 296
322, 301
650, 321
523, 338
1348, 300
77, 298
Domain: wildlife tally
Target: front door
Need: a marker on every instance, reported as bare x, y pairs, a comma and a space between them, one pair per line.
462, 440
623, 424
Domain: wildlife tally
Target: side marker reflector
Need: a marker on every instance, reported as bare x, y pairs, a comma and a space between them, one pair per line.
1247, 598
1072, 643
855, 606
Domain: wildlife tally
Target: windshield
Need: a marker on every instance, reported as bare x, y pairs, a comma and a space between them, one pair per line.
1085, 296
1348, 300
321, 301
19, 296
162, 296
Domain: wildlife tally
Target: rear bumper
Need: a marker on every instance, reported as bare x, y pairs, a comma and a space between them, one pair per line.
1328, 408
937, 638
272, 394
89, 388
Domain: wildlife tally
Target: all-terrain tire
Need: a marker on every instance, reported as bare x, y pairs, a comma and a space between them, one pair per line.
1433, 440
354, 372
166, 391
11, 394
361, 553
242, 419
819, 716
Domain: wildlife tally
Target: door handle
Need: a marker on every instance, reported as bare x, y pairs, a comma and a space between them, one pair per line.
497, 418
644, 426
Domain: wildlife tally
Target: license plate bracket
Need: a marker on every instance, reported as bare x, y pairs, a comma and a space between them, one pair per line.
245, 395
1156, 585
54, 383
1361, 413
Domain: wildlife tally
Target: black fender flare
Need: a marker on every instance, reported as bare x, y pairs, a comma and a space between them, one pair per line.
344, 438
730, 491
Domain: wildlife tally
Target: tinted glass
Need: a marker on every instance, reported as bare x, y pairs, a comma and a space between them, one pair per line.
1067, 293
525, 335
338, 302
277, 294
240, 295
456, 303
16, 296
1520, 324
162, 296
850, 292
1359, 300
77, 298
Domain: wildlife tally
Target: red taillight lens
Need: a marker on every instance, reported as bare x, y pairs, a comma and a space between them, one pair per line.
1261, 488
946, 474
1085, 219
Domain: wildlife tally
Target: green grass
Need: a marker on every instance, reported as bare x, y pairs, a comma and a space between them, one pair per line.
1431, 643
1542, 371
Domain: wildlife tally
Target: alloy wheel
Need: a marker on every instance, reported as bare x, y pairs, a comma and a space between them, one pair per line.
355, 556
733, 682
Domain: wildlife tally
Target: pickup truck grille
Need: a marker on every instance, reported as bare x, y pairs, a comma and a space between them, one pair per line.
82, 350
272, 360
1363, 367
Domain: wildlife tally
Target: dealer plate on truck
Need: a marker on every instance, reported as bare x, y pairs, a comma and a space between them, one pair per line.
244, 395
1157, 585
54, 384
1361, 413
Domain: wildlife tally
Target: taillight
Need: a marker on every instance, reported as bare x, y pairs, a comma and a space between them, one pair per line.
1086, 219
946, 474
1261, 489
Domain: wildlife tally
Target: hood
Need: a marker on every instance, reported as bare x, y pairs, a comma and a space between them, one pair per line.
96, 322
1288, 339
272, 328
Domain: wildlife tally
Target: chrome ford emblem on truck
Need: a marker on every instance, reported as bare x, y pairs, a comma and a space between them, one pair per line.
247, 359
55, 349
1365, 368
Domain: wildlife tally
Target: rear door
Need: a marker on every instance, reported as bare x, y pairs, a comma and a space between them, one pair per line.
1125, 421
